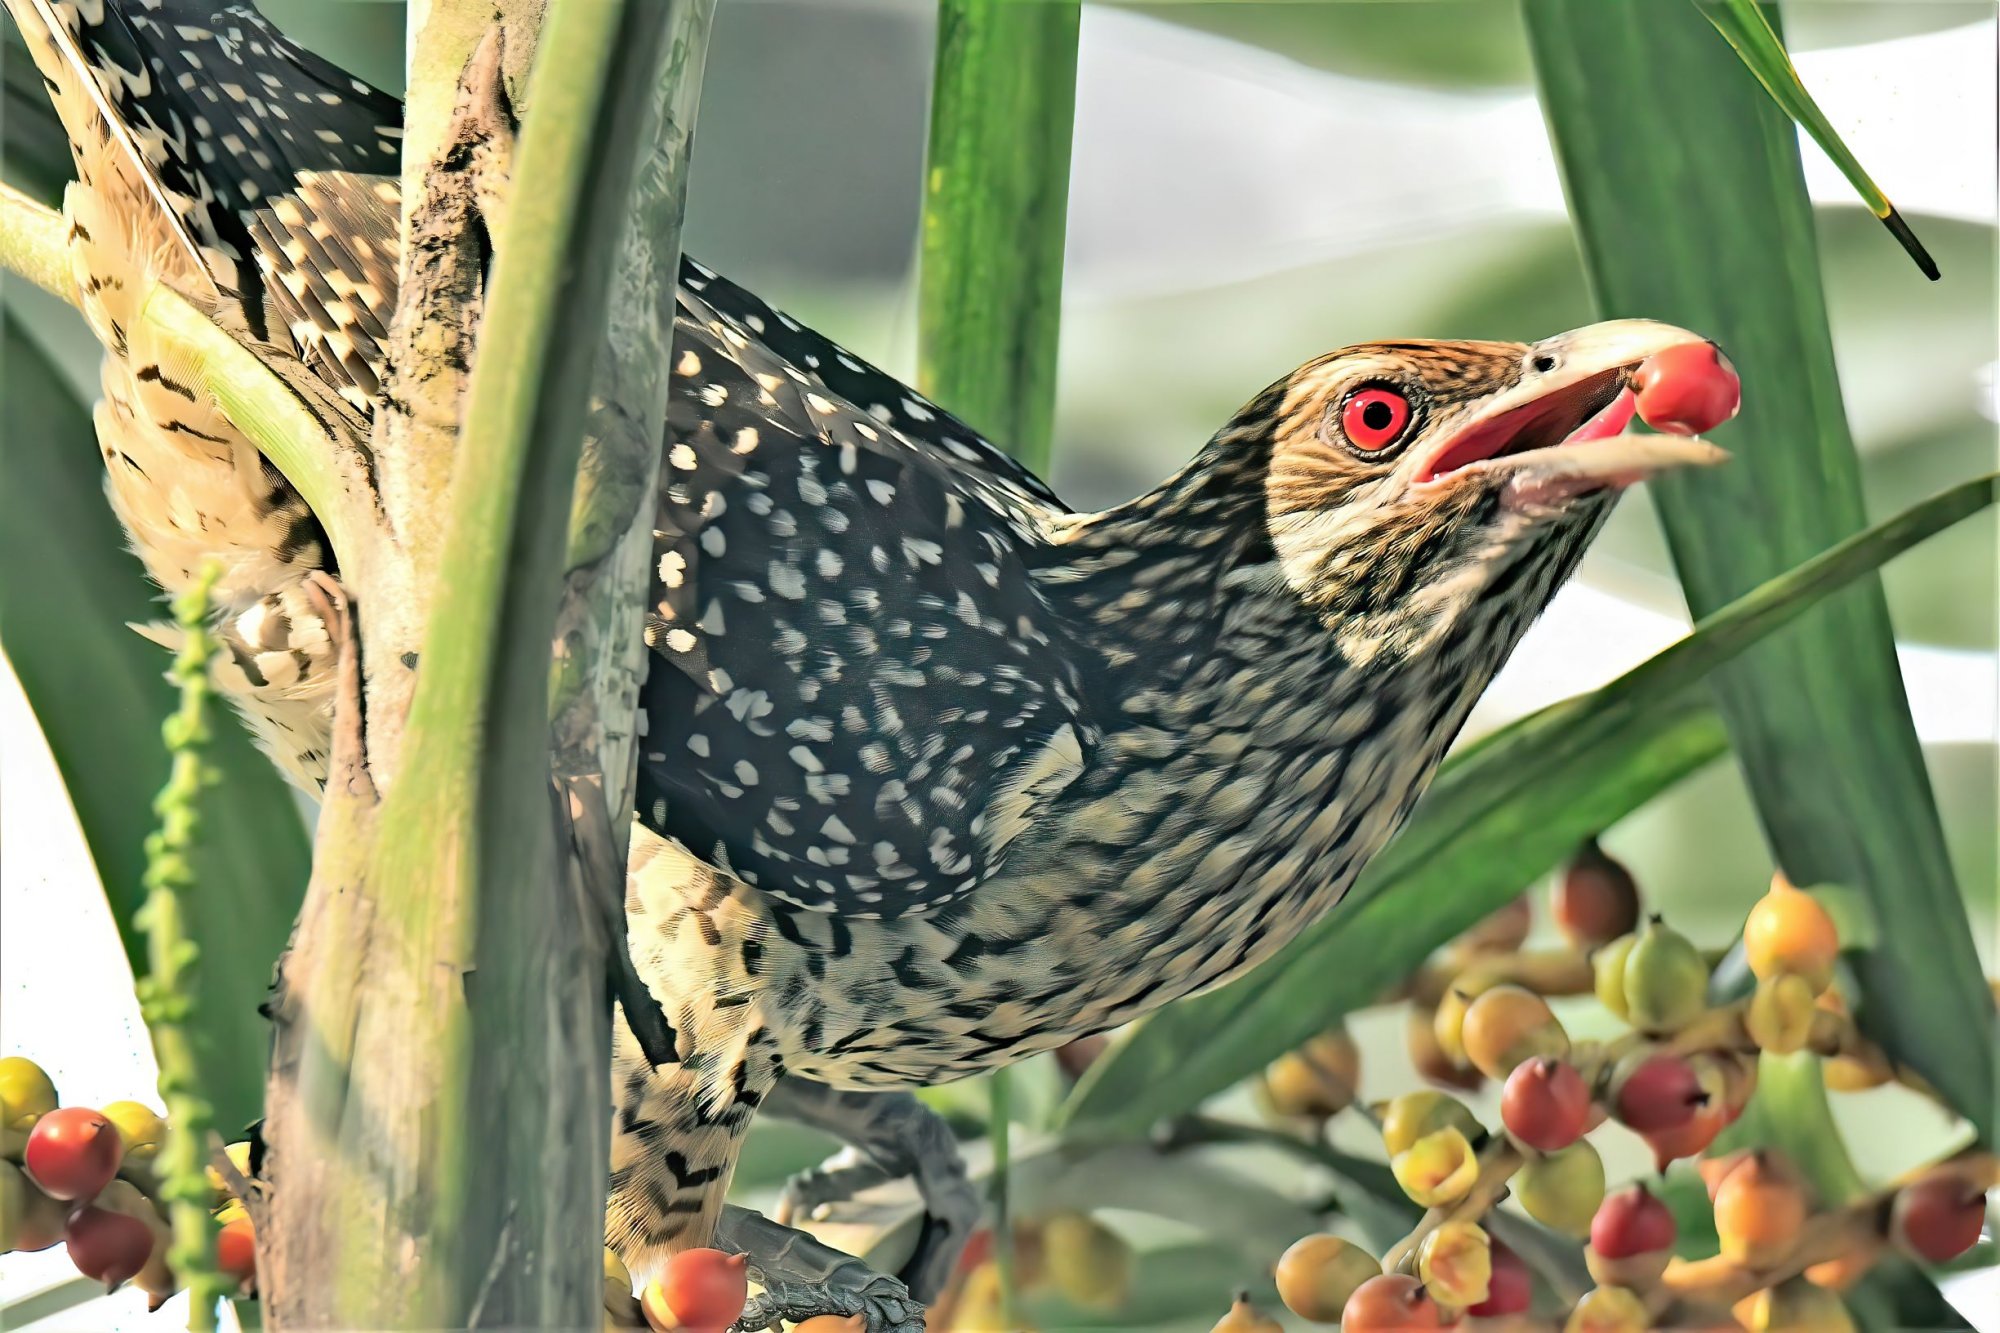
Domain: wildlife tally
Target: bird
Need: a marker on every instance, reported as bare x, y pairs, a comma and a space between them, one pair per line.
936, 772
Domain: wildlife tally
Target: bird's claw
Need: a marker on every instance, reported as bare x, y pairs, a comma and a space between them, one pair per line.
883, 1303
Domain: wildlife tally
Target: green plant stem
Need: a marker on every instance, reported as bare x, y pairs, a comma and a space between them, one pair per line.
167, 993
995, 194
31, 244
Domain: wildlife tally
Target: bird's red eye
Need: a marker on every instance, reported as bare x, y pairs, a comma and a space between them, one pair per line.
1373, 419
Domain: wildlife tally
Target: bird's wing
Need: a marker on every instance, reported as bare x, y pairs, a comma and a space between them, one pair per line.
856, 699
214, 111
890, 402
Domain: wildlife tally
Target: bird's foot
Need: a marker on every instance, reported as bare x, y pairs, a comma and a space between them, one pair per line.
803, 1278
895, 1135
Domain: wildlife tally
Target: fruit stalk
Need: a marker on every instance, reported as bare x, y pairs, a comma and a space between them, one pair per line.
1498, 1161
166, 994
1860, 1227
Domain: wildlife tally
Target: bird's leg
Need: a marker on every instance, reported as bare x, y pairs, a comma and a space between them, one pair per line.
890, 1135
803, 1278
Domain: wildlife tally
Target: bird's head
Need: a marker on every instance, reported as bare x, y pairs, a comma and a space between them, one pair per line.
1408, 484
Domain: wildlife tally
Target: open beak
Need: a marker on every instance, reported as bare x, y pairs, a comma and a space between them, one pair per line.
1559, 434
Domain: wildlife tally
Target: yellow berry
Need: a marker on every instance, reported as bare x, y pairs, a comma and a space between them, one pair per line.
1781, 1012
140, 1127
1608, 971
1455, 1263
1438, 1169
1415, 1114
1608, 1310
1086, 1261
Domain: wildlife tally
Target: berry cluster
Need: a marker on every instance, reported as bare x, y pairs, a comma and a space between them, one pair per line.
1683, 1073
81, 1176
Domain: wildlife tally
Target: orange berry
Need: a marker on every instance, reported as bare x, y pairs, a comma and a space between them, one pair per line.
1393, 1301
1788, 931
701, 1289
1509, 1024
1760, 1207
1318, 1273
236, 1252
1317, 1081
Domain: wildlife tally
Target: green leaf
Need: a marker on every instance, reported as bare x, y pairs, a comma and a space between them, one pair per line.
68, 590
995, 193
1686, 186
1500, 813
1743, 25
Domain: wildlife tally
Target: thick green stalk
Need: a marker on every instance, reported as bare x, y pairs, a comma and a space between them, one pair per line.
443, 1104
1685, 182
995, 194
167, 992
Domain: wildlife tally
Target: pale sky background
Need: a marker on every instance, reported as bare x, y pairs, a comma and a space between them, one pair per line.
1919, 111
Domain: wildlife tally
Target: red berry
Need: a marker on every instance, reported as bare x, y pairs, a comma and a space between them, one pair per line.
1661, 1093
1511, 1288
1392, 1301
1545, 1104
706, 1288
108, 1247
73, 1152
236, 1251
1631, 1222
1938, 1218
1687, 390
1596, 900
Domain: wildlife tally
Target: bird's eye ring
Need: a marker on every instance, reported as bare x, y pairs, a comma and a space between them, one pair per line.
1374, 418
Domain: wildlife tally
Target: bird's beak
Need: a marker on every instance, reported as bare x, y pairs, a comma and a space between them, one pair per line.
1558, 433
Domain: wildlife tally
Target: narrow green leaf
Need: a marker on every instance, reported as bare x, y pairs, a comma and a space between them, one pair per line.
995, 196
68, 590
996, 190
1743, 25
1685, 183
1501, 812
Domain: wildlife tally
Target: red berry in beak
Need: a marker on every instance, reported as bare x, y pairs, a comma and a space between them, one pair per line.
1687, 390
